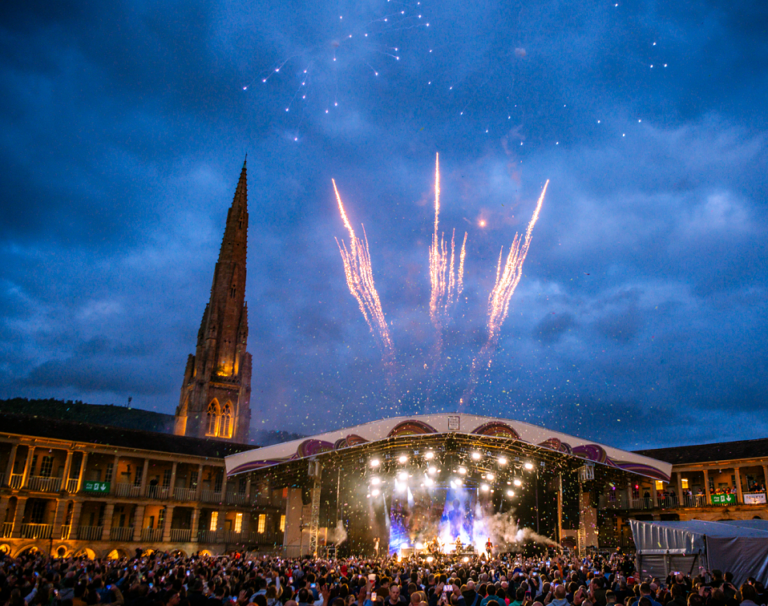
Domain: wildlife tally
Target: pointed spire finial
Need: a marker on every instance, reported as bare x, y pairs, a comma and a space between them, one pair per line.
246, 159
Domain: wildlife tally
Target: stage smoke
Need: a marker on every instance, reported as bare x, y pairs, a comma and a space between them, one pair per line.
503, 530
338, 534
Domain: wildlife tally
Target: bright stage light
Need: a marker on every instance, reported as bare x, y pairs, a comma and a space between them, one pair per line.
400, 486
403, 476
375, 492
485, 487
517, 482
375, 462
503, 460
465, 559
476, 456
402, 459
432, 470
430, 559
528, 466
375, 481
489, 476
429, 455
462, 470
510, 493
419, 546
428, 481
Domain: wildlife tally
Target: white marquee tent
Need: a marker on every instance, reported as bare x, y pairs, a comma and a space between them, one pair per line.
738, 546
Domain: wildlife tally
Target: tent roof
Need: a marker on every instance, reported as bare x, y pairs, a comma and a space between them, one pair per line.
690, 537
480, 428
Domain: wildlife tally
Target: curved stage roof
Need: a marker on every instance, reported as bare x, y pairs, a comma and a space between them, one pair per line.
468, 429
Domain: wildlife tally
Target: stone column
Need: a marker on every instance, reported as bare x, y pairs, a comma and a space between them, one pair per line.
172, 487
106, 527
12, 460
195, 524
707, 498
680, 496
67, 470
739, 493
74, 525
199, 490
4, 502
81, 475
21, 505
654, 495
144, 475
115, 474
224, 486
292, 534
629, 493
248, 489
167, 523
28, 466
138, 522
58, 521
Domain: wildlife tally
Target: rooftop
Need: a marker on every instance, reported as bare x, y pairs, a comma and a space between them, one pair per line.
104, 435
707, 453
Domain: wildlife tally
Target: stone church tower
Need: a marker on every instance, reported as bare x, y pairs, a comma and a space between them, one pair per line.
216, 393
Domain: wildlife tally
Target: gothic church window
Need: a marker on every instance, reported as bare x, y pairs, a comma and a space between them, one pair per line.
226, 422
213, 420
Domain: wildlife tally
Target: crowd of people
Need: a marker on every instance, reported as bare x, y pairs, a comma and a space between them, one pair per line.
255, 580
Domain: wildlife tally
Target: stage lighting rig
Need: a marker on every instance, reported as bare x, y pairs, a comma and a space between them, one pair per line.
502, 460
402, 459
476, 456
528, 466
510, 493
429, 455
517, 482
375, 463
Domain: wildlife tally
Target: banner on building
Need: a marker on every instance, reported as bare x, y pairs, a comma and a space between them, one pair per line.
754, 498
723, 499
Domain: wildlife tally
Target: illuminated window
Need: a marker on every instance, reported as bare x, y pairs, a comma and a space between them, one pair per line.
110, 472
659, 485
282, 523
684, 482
238, 522
225, 428
262, 522
46, 467
214, 520
214, 414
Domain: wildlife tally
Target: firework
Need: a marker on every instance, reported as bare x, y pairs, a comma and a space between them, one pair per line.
507, 278
446, 284
359, 274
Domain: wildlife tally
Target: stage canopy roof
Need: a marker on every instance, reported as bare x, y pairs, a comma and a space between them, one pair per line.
463, 430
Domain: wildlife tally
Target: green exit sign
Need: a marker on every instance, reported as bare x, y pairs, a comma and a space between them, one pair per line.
96, 487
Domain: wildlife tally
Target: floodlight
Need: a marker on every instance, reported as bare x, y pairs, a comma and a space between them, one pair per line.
517, 482
503, 460
476, 456
510, 493
403, 459
375, 481
462, 470
528, 466
375, 492
429, 455
485, 487
375, 462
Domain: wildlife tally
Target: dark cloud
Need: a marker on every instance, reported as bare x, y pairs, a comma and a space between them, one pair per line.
124, 126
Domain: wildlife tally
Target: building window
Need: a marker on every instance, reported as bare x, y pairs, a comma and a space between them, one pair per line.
167, 478
239, 522
38, 512
282, 523
214, 414
34, 464
684, 483
110, 471
225, 430
193, 480
214, 521
218, 482
262, 522
161, 518
139, 476
46, 467
232, 291
659, 485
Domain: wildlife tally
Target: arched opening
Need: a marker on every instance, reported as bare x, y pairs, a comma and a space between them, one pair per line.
28, 550
178, 553
213, 419
61, 551
5, 549
86, 553
205, 553
116, 554
225, 430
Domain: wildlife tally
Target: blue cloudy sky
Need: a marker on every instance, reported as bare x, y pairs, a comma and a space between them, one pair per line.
641, 316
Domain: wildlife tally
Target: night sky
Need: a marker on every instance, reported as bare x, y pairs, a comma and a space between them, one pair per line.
640, 319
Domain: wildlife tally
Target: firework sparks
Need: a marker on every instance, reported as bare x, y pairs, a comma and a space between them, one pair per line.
507, 278
446, 284
359, 274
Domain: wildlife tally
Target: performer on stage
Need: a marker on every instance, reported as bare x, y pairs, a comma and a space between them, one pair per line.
458, 545
489, 548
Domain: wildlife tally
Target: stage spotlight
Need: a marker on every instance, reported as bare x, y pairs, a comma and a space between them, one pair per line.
528, 466
517, 482
375, 462
510, 493
485, 487
403, 476
432, 470
476, 456
375, 481
503, 460
375, 492
489, 476
430, 559
465, 559
463, 470
419, 546
429, 455
402, 459
428, 481
400, 486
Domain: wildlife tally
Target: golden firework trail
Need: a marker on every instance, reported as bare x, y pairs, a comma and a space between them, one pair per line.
446, 284
359, 273
507, 278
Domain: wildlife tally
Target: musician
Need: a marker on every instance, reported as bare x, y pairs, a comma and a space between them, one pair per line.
458, 545
489, 547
